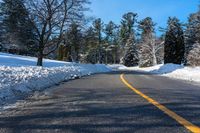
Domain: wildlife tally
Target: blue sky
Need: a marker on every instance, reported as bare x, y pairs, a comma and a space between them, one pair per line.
159, 10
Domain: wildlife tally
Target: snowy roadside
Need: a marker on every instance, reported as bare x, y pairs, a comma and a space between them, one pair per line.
191, 74
18, 76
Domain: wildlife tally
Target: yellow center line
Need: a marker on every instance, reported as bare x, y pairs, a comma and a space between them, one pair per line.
191, 127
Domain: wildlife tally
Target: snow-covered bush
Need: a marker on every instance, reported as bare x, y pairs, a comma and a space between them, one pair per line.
193, 58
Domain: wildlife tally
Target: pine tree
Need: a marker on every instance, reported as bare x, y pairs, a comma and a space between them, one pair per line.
74, 38
131, 53
192, 40
16, 25
128, 40
111, 32
98, 28
127, 25
174, 42
90, 46
116, 48
148, 47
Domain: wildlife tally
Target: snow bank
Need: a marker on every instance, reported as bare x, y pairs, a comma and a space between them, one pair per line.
118, 67
179, 72
170, 70
19, 77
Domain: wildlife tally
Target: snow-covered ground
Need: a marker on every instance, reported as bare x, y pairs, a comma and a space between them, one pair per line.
170, 70
19, 76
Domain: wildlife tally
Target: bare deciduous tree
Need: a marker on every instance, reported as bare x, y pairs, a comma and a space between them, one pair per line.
148, 47
50, 19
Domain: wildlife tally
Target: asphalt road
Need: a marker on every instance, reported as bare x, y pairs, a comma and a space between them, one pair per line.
102, 104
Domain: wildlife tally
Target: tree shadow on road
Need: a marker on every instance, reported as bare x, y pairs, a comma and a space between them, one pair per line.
83, 116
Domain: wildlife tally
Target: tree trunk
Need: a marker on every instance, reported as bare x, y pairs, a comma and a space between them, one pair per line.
154, 57
40, 59
114, 58
106, 57
99, 54
100, 61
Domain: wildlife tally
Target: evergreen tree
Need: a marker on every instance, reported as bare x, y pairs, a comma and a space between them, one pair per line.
174, 42
127, 25
98, 28
131, 53
16, 25
74, 38
116, 48
111, 32
148, 48
90, 48
128, 40
192, 40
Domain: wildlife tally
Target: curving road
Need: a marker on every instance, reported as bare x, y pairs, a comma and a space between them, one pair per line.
102, 103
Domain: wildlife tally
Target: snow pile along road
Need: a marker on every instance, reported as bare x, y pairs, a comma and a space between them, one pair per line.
169, 70
18, 76
179, 72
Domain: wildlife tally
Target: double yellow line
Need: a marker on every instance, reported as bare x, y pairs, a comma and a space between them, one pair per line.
191, 127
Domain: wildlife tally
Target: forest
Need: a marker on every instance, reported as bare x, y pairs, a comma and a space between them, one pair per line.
61, 30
